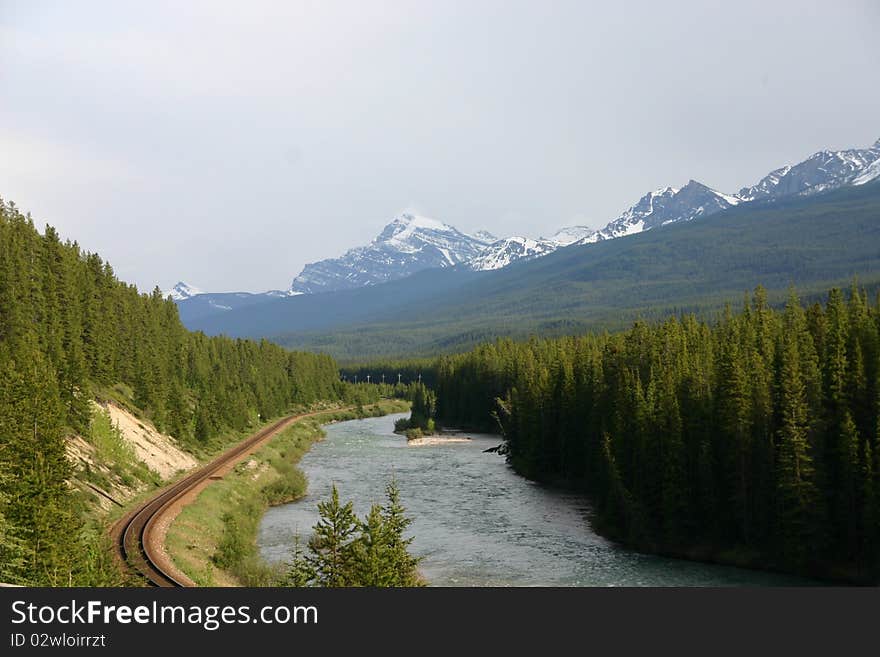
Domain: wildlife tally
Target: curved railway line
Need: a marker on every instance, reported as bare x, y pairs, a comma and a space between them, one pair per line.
132, 533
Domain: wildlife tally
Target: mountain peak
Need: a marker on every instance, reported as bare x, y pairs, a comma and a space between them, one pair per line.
408, 244
571, 234
411, 242
484, 236
665, 191
406, 224
821, 171
182, 291
694, 187
501, 253
409, 219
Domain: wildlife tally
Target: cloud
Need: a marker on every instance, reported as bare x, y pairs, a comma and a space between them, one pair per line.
271, 134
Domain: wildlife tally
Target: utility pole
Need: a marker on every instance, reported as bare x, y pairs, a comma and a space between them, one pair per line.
398, 378
420, 377
368, 378
355, 379
383, 379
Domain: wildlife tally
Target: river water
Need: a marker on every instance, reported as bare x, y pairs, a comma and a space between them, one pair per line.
476, 522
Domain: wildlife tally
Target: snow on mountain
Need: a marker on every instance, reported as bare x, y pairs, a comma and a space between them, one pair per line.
870, 173
411, 243
485, 237
504, 251
766, 186
665, 206
182, 291
408, 244
818, 173
281, 293
571, 234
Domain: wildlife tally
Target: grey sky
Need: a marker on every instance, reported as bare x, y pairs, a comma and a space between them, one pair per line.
229, 143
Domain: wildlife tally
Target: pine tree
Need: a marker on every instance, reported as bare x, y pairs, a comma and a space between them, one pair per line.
41, 505
299, 572
869, 552
69, 331
12, 547
373, 559
332, 544
401, 564
796, 492
734, 411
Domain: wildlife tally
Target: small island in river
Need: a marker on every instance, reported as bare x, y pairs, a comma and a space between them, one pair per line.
419, 428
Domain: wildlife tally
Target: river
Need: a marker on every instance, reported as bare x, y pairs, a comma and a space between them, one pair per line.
476, 522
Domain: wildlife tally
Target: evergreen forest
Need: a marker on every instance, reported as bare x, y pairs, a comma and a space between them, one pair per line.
752, 439
70, 331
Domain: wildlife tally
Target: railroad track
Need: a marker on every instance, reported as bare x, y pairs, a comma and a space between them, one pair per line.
132, 533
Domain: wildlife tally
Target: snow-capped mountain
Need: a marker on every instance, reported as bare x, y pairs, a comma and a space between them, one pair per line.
766, 186
484, 236
820, 172
571, 234
665, 206
502, 252
410, 243
182, 291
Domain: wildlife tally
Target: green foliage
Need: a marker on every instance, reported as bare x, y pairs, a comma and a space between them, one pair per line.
421, 420
756, 433
12, 548
112, 449
332, 544
219, 529
815, 242
68, 329
400, 565
347, 551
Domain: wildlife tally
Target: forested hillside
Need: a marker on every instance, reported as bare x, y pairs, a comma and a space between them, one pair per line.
753, 439
69, 330
815, 243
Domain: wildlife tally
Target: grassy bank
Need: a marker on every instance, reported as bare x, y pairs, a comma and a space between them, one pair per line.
213, 540
105, 461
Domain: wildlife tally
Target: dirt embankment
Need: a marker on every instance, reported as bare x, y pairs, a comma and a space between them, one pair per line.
158, 451
123, 465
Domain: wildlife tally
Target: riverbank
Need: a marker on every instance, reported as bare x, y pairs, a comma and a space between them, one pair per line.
475, 521
729, 556
212, 540
734, 556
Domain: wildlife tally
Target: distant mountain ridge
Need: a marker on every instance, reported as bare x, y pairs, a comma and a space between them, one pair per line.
814, 242
820, 172
411, 243
665, 206
510, 249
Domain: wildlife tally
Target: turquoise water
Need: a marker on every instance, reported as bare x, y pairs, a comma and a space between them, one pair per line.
476, 522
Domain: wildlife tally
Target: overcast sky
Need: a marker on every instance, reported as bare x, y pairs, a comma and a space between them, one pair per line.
228, 143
